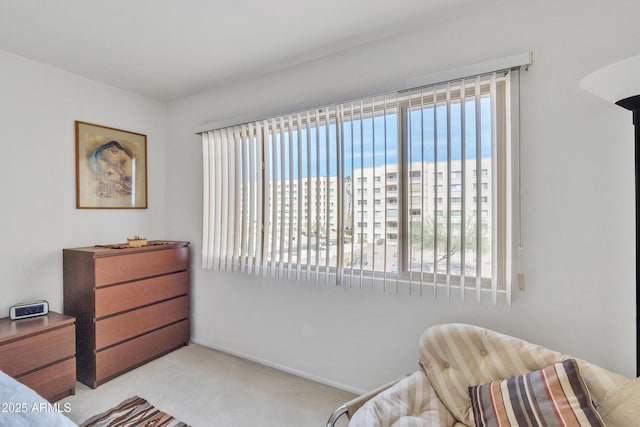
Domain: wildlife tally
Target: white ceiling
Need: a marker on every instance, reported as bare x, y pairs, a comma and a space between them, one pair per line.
167, 49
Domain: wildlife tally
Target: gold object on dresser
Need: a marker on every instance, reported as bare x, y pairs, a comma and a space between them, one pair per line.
136, 241
131, 305
40, 353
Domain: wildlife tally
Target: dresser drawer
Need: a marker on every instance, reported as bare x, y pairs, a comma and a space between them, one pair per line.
124, 268
127, 296
35, 351
113, 330
53, 382
125, 356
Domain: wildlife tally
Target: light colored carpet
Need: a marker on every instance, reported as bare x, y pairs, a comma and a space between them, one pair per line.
207, 388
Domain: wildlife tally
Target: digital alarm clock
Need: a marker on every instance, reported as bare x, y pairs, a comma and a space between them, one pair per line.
30, 309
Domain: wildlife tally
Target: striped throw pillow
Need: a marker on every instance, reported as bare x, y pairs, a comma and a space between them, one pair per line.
554, 396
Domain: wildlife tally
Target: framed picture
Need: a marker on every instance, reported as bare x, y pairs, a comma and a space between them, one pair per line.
111, 168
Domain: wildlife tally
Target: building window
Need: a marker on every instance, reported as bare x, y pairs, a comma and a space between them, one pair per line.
455, 130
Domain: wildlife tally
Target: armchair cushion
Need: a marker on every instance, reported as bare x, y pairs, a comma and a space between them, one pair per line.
410, 402
621, 406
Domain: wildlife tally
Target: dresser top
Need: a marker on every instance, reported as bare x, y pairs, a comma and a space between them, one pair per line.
13, 329
122, 248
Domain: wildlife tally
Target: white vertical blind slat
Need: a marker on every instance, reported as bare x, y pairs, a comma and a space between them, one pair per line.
327, 197
291, 240
449, 191
383, 209
268, 198
435, 191
407, 192
300, 198
218, 149
317, 196
281, 197
353, 195
511, 90
259, 179
224, 205
222, 201
206, 200
230, 199
463, 208
340, 196
388, 161
237, 252
360, 189
274, 198
242, 162
372, 238
478, 179
423, 183
251, 196
494, 190
309, 192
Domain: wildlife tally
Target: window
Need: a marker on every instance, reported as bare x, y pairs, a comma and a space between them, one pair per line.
412, 143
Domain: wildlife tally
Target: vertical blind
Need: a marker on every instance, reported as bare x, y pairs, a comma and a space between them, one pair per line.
404, 190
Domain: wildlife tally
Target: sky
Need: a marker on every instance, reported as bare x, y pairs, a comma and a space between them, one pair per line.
365, 141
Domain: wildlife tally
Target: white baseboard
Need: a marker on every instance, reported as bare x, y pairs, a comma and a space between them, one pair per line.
284, 368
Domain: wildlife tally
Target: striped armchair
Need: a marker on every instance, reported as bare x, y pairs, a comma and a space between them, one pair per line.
452, 358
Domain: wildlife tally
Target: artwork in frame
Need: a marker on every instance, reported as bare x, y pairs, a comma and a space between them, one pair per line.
111, 168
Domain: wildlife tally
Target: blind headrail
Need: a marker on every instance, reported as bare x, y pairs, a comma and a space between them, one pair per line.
521, 60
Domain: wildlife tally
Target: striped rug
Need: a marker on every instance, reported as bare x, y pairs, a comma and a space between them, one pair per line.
133, 412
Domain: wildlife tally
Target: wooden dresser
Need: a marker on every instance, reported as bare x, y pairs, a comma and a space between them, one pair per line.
131, 305
40, 353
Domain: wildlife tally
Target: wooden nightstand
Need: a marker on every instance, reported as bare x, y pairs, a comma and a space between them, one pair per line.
40, 353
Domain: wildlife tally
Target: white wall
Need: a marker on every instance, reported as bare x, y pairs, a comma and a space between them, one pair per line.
38, 107
577, 198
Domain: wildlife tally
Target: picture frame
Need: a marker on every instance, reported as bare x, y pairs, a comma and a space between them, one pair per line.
111, 168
